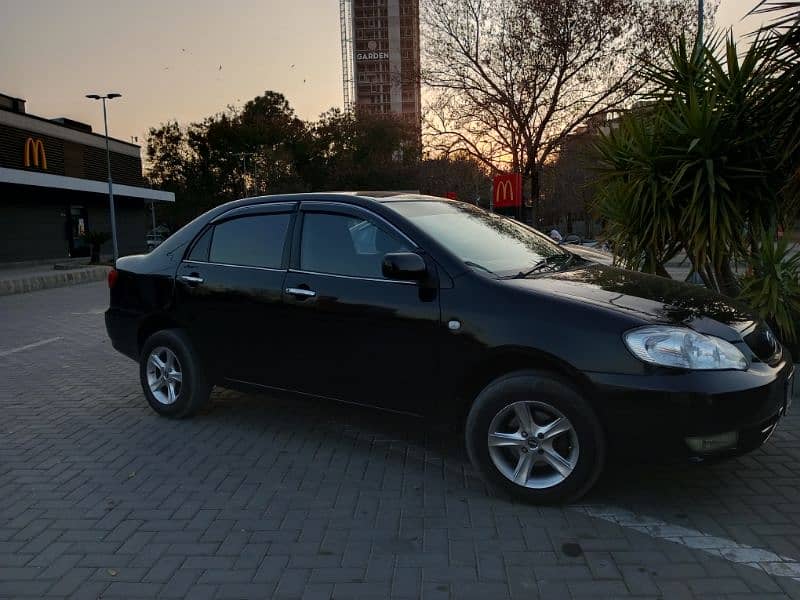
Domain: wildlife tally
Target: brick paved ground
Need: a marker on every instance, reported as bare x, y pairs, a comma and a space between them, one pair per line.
273, 497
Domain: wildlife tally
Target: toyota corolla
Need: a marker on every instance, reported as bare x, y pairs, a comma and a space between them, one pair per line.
421, 305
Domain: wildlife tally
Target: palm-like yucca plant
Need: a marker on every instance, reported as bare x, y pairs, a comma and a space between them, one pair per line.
688, 169
95, 239
712, 161
773, 289
632, 197
779, 40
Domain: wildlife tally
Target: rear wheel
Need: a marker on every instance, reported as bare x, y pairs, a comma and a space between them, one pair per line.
535, 436
172, 378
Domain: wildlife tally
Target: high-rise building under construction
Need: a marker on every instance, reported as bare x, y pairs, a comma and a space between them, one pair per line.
380, 57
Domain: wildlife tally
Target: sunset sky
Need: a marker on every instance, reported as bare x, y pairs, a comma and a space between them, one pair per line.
183, 59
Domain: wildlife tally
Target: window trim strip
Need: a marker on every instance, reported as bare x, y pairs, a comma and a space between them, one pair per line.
216, 264
357, 277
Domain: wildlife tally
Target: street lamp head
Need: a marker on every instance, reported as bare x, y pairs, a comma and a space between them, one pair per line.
110, 96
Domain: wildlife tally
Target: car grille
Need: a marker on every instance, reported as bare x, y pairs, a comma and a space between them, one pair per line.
764, 344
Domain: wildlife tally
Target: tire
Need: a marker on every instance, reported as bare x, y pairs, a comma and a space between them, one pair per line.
173, 398
520, 452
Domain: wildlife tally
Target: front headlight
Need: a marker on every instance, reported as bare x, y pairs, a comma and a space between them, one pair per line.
683, 348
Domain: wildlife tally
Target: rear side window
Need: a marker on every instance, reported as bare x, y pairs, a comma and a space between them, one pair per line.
200, 249
253, 241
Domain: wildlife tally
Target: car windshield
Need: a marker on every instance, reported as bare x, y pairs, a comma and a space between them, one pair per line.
482, 240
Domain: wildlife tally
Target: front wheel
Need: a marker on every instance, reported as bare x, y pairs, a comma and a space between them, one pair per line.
172, 377
535, 436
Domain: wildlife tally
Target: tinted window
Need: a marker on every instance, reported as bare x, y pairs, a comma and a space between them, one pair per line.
483, 240
200, 250
345, 245
255, 241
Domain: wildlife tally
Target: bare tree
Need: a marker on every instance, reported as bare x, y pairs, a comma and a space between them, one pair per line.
509, 79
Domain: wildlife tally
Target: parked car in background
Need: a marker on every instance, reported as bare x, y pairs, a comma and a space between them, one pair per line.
156, 236
593, 253
153, 240
437, 308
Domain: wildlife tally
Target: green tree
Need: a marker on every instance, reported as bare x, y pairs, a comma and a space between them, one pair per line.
247, 151
510, 79
459, 174
263, 148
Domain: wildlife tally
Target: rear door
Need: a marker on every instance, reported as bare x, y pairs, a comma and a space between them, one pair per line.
229, 292
357, 336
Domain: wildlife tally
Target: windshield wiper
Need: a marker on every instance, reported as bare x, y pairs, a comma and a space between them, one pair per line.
545, 262
469, 263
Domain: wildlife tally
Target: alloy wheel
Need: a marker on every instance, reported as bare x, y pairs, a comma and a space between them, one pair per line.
533, 444
164, 376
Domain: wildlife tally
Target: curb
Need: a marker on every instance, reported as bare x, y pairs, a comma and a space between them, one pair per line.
31, 283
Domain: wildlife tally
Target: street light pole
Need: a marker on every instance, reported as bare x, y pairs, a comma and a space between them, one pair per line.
108, 164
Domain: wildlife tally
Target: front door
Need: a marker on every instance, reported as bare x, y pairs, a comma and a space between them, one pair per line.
77, 226
357, 336
229, 288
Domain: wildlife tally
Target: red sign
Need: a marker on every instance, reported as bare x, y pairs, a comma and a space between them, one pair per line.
451, 196
507, 190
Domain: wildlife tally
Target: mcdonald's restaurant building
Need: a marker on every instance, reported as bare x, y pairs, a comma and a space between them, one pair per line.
54, 188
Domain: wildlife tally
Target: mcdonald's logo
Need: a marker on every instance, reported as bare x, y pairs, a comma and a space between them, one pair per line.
504, 194
35, 154
507, 190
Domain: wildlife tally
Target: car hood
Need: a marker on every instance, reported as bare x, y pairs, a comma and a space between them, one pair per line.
650, 298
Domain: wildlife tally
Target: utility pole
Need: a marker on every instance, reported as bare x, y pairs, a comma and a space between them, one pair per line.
244, 172
701, 18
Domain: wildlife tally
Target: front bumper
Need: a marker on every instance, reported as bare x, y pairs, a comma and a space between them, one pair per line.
658, 412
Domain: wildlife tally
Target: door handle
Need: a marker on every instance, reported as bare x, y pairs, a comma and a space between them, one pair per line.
300, 292
191, 279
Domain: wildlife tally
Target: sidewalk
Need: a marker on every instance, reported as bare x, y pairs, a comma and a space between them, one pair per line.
18, 279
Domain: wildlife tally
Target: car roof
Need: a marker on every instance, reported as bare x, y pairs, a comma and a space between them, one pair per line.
411, 198
374, 195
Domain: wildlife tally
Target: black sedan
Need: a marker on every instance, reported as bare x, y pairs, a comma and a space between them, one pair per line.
437, 308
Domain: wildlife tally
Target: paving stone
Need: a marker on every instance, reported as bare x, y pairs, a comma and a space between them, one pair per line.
717, 585
265, 496
337, 575
215, 576
121, 589
601, 589
237, 591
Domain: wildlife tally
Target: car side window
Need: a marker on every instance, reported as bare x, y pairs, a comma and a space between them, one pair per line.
345, 245
201, 246
253, 241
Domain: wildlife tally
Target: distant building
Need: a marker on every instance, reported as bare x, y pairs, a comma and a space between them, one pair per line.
567, 191
53, 187
380, 56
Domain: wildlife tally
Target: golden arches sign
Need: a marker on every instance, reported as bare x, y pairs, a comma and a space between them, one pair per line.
504, 193
507, 190
35, 154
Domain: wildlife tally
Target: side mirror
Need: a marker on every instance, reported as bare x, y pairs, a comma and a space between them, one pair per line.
404, 266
